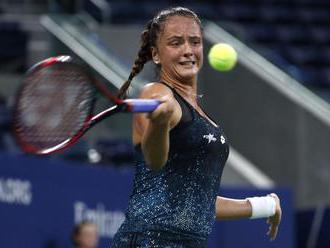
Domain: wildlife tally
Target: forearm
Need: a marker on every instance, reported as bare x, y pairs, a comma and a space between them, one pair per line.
155, 145
230, 209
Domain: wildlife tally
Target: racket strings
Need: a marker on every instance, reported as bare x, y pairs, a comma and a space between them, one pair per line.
54, 105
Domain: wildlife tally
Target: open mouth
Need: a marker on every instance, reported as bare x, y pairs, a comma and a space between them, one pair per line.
187, 63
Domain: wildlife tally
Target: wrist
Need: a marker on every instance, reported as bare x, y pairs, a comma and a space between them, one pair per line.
262, 207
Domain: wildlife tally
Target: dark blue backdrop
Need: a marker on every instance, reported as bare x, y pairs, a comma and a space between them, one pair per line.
41, 199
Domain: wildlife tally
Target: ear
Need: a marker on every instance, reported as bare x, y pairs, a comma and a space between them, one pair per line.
155, 55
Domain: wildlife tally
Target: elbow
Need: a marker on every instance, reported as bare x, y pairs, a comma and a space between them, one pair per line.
155, 164
155, 159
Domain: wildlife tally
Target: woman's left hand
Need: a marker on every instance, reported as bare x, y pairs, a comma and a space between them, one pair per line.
275, 220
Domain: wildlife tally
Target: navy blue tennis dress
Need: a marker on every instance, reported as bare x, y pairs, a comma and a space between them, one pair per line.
175, 206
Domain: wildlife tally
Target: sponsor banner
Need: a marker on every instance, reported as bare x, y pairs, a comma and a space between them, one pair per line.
15, 191
42, 199
108, 221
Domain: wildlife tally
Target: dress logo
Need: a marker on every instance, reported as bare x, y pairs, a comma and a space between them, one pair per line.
210, 137
222, 139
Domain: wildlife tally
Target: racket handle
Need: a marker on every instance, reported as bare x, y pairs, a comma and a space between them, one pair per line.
142, 105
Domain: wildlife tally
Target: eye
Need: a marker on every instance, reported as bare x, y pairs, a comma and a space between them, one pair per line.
174, 43
196, 42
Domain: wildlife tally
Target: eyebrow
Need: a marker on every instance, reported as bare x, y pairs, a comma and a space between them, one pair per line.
180, 37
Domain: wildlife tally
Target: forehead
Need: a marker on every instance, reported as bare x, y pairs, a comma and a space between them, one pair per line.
180, 26
89, 226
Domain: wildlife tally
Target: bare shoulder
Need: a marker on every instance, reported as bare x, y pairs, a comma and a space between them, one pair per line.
155, 89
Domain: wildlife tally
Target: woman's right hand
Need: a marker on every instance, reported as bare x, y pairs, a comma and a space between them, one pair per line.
163, 113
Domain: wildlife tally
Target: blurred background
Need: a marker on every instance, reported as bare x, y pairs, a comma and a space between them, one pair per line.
273, 106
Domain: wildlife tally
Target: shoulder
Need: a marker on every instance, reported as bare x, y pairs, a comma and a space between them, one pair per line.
155, 89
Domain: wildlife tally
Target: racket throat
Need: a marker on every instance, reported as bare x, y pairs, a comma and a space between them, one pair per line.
104, 114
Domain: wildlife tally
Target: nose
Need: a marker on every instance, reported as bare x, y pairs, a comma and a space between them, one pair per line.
187, 49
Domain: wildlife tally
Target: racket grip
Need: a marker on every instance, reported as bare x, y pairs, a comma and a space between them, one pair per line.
142, 105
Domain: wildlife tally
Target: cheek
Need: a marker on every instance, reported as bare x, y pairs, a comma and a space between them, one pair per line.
200, 56
170, 57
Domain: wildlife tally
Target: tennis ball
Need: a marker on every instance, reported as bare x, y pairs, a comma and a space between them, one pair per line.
222, 57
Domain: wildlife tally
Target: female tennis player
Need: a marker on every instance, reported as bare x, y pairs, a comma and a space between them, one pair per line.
180, 150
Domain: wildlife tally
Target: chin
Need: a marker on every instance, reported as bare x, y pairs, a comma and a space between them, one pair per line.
191, 76
188, 79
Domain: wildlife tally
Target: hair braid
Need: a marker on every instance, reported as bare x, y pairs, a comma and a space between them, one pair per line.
144, 55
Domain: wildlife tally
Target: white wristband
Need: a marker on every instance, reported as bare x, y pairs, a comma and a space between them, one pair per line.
262, 207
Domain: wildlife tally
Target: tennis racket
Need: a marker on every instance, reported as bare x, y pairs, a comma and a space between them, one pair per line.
56, 102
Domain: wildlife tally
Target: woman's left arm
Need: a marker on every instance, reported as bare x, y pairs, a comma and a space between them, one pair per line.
230, 209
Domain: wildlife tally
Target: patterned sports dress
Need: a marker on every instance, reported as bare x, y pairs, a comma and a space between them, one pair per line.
175, 206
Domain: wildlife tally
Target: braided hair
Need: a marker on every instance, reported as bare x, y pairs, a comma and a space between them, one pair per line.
149, 38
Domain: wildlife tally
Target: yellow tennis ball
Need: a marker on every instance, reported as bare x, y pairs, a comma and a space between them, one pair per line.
222, 57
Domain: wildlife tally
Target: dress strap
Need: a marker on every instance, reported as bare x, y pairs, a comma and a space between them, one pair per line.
187, 111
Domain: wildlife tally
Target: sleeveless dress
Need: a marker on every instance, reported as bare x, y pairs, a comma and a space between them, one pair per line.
175, 206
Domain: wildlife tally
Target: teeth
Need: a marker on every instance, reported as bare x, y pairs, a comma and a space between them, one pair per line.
187, 62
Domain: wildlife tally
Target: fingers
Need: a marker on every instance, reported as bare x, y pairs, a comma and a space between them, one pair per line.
272, 230
161, 98
164, 111
275, 220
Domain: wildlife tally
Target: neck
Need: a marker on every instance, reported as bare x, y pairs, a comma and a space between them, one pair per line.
187, 89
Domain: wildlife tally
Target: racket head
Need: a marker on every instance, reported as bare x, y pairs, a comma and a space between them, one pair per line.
54, 105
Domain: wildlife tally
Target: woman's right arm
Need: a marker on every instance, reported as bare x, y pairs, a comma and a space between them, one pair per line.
152, 130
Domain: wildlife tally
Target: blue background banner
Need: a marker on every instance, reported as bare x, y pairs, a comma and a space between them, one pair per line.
42, 199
